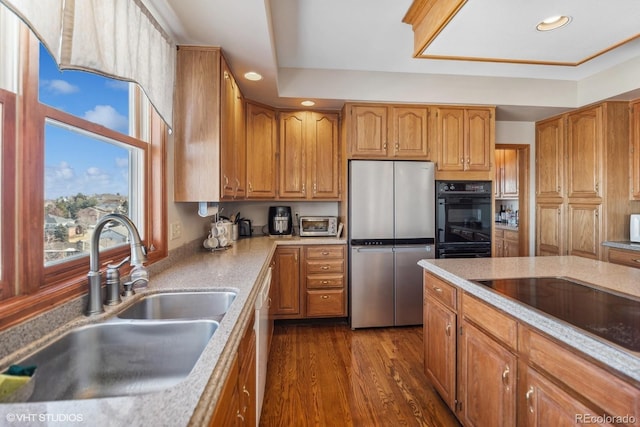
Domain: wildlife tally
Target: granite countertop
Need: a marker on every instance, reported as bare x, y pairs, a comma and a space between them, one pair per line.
602, 274
240, 269
628, 245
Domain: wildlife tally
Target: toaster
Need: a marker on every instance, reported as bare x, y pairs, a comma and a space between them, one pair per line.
244, 227
634, 228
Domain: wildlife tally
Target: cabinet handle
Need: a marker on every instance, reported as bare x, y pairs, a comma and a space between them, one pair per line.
528, 397
468, 160
325, 282
239, 415
397, 146
250, 187
245, 391
448, 329
505, 377
437, 289
325, 253
384, 146
597, 187
324, 267
325, 297
226, 180
304, 190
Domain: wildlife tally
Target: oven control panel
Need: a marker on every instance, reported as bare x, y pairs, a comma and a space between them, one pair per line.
476, 187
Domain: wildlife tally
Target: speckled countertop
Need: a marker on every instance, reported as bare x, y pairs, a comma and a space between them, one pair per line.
191, 402
505, 226
603, 274
628, 245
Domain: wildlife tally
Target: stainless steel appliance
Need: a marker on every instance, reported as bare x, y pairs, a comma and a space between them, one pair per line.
391, 227
280, 221
463, 219
318, 226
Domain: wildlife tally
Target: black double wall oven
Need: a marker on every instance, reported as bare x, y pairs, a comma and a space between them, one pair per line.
463, 219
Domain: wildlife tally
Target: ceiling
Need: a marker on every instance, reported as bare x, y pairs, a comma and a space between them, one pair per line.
332, 51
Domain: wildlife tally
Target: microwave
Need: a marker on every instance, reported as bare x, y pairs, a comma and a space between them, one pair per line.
311, 226
634, 228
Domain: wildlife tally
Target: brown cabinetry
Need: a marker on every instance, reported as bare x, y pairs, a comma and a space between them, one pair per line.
262, 146
209, 125
634, 149
309, 281
286, 283
309, 155
464, 138
440, 328
586, 149
624, 257
237, 402
388, 131
506, 181
507, 243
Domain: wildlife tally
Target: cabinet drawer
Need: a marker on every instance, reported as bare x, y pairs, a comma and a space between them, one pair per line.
324, 252
325, 281
606, 390
628, 258
325, 303
496, 323
499, 232
325, 266
440, 290
511, 235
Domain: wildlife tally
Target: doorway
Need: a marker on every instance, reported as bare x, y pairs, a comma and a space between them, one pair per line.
523, 197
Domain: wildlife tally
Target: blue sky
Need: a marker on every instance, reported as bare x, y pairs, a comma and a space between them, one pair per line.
75, 163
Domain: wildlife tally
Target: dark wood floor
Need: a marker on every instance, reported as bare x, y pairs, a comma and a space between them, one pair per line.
328, 375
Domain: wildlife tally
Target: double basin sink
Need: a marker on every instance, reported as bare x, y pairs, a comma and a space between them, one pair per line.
148, 347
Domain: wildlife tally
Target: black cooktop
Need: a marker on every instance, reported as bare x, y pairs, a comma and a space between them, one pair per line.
611, 316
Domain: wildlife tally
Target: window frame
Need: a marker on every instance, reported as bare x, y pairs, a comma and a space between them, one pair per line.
39, 287
7, 193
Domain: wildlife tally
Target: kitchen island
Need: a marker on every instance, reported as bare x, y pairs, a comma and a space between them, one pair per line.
516, 359
240, 269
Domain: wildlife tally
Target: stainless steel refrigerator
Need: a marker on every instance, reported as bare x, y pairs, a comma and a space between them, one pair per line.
391, 227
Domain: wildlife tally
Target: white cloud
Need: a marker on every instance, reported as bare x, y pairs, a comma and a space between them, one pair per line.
107, 116
117, 84
60, 87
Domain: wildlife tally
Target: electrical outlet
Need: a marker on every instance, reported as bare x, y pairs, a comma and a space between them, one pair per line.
176, 230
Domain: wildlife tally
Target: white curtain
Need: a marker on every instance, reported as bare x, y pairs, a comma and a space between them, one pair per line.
118, 38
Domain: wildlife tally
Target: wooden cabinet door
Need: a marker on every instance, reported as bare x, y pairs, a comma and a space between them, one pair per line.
228, 406
509, 179
550, 158
487, 388
368, 131
286, 282
227, 133
450, 139
440, 349
240, 146
247, 383
584, 153
545, 404
410, 132
323, 156
584, 227
499, 248
293, 142
499, 165
197, 125
261, 152
634, 135
550, 236
477, 144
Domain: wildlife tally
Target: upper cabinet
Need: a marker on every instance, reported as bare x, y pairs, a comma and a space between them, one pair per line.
208, 128
465, 138
506, 182
550, 158
309, 155
262, 147
388, 131
634, 148
585, 148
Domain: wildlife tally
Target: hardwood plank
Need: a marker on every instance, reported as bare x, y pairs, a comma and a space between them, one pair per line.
329, 375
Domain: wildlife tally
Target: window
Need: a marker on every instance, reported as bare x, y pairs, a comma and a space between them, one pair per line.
90, 145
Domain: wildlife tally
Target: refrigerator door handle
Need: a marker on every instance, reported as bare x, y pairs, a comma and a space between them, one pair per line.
384, 249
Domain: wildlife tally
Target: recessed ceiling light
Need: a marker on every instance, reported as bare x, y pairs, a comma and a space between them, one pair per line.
308, 103
553, 22
253, 76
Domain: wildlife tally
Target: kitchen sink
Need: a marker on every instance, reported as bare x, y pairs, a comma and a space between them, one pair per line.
181, 305
118, 358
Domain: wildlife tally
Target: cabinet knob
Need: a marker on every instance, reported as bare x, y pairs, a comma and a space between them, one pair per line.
325, 297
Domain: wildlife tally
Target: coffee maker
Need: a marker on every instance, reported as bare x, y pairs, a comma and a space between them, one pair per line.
280, 221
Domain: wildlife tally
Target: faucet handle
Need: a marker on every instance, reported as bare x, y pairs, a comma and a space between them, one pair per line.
113, 283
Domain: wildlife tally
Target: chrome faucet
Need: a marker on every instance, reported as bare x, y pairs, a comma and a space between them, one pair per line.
138, 257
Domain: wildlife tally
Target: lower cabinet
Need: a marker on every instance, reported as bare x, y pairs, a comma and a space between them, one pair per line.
237, 403
498, 371
624, 257
309, 282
